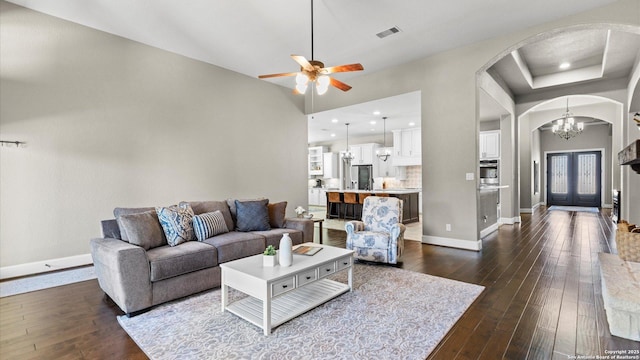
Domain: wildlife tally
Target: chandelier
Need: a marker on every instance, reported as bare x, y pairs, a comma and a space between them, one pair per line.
384, 153
565, 127
348, 156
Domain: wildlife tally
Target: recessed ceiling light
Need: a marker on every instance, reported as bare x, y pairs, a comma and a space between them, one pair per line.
334, 120
333, 135
412, 124
565, 65
376, 112
372, 122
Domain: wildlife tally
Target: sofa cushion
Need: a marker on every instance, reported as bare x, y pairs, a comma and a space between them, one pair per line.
209, 224
117, 212
277, 213
177, 223
170, 261
252, 215
201, 207
273, 236
232, 207
235, 245
143, 229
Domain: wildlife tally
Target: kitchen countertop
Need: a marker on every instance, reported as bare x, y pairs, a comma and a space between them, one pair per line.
381, 191
492, 187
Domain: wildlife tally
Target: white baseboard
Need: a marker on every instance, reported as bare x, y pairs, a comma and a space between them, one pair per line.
510, 221
454, 243
531, 209
489, 230
38, 267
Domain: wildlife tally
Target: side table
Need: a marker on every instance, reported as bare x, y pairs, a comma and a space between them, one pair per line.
319, 221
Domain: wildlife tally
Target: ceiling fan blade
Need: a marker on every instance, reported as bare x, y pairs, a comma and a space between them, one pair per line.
277, 75
303, 62
339, 84
343, 68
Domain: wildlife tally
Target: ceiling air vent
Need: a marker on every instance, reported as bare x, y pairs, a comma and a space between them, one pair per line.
390, 31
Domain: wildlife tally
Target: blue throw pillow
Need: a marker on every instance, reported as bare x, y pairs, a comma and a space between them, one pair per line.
177, 223
252, 215
209, 224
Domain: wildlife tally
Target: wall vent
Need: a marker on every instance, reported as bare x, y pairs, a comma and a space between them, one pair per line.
390, 31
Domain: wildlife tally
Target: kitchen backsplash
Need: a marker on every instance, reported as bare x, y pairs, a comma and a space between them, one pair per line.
414, 179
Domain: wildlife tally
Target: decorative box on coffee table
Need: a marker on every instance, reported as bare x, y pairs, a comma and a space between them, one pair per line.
278, 294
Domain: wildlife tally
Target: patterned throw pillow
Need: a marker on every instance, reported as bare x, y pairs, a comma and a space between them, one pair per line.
177, 223
252, 215
209, 224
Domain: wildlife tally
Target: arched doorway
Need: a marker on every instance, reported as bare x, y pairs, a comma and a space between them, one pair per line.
546, 85
579, 171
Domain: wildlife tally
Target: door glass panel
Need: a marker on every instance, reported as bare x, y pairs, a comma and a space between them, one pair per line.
587, 174
559, 174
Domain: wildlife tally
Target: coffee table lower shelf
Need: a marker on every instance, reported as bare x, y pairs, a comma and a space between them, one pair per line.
290, 304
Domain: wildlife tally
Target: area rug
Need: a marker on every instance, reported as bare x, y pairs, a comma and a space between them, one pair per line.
391, 314
46, 281
574, 208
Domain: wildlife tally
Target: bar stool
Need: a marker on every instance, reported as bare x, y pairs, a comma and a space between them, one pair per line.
361, 198
382, 195
350, 199
333, 198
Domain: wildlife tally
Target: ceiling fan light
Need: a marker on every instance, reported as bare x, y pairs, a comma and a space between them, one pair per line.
301, 79
322, 84
301, 88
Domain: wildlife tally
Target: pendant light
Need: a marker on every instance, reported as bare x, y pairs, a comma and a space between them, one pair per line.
384, 153
348, 156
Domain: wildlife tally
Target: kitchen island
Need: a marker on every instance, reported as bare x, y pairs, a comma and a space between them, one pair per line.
410, 206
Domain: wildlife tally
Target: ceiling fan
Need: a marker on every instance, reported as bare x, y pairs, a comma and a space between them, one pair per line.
314, 71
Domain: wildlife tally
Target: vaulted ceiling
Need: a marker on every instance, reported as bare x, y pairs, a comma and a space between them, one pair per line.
256, 37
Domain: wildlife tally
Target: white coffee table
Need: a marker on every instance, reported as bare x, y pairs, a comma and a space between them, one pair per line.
278, 294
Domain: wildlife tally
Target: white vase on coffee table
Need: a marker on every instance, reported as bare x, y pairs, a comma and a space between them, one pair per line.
285, 253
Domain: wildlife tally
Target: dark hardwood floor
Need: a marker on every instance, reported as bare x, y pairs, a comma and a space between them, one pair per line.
542, 299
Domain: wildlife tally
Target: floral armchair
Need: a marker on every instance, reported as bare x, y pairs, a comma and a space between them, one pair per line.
380, 235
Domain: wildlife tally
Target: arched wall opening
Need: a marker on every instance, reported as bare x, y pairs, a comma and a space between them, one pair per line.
538, 140
609, 105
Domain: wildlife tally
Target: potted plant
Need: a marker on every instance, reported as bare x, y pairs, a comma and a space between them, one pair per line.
269, 257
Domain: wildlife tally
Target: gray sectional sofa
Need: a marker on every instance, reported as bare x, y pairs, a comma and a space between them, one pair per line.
138, 272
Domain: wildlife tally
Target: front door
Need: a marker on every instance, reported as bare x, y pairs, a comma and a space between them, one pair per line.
573, 179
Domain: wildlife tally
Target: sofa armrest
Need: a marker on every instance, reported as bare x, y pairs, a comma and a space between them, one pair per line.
304, 225
123, 273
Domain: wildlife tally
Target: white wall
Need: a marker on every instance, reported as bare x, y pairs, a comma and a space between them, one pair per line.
449, 129
110, 122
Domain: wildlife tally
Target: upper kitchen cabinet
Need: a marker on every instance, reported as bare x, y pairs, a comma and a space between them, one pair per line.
330, 165
363, 154
489, 145
407, 147
316, 160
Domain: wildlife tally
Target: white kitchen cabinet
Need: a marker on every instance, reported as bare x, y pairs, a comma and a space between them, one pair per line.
387, 169
363, 154
490, 144
407, 147
317, 196
330, 165
316, 160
